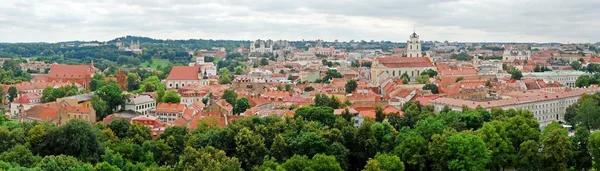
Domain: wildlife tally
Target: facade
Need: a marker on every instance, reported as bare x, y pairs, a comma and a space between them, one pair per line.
566, 78
413, 46
396, 66
168, 112
37, 66
57, 113
262, 48
181, 76
26, 101
512, 54
140, 103
80, 74
545, 106
135, 48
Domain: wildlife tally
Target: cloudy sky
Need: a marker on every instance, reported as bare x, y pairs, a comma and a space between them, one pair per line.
453, 20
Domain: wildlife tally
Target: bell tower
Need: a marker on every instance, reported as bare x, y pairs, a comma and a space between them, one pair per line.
413, 46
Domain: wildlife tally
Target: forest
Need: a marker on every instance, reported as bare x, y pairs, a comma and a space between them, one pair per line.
314, 139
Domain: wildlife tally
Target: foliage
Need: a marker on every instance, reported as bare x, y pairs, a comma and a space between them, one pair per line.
12, 93
515, 74
112, 95
384, 162
241, 105
225, 76
230, 96
171, 97
432, 87
351, 86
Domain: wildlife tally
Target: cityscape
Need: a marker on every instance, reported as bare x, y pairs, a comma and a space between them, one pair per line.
138, 102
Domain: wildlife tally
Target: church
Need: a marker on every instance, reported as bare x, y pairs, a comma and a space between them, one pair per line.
413, 64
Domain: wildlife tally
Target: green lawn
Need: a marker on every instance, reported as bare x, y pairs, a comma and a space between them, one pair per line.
155, 63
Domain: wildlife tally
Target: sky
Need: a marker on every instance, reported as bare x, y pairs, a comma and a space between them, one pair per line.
394, 20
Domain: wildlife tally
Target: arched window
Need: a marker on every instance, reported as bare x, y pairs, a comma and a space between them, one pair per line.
410, 47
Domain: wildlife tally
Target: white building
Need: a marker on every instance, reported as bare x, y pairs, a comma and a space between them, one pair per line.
566, 78
512, 54
545, 106
262, 48
141, 103
413, 46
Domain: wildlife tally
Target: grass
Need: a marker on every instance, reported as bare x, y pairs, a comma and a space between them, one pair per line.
155, 63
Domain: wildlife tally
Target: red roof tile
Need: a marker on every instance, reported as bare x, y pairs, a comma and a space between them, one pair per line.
184, 73
395, 62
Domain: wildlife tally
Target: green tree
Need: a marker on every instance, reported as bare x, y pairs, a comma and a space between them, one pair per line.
80, 139
12, 93
384, 162
100, 107
351, 86
230, 96
516, 74
320, 114
133, 81
325, 162
581, 152
321, 100
334, 102
432, 87
529, 157
238, 70
171, 97
120, 127
264, 62
309, 88
279, 149
459, 79
138, 133
588, 114
379, 114
112, 95
207, 158
497, 143
556, 149
250, 148
298, 162
309, 143
20, 155
466, 152
58, 163
224, 76
97, 81
412, 150
576, 65
241, 105
595, 149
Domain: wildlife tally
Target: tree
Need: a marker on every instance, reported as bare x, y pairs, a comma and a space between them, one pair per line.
264, 62
20, 155
588, 113
279, 148
138, 133
459, 79
12, 93
78, 138
224, 76
595, 148
241, 105
466, 152
325, 162
515, 74
384, 162
581, 152
432, 87
351, 86
230, 96
334, 102
100, 107
309, 88
556, 149
97, 81
171, 97
207, 158
56, 163
497, 143
133, 81
321, 114
321, 100
576, 65
412, 150
529, 157
120, 127
430, 72
250, 148
405, 76
423, 79
239, 70
111, 94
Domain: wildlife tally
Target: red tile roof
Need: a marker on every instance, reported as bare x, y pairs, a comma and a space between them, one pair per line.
169, 108
395, 62
184, 73
70, 71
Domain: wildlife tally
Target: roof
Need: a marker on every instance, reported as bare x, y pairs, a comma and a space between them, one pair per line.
169, 108
72, 109
184, 73
71, 71
395, 62
81, 97
140, 99
42, 113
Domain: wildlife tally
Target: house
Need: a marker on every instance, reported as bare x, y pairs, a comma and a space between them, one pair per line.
140, 103
57, 113
181, 76
168, 112
80, 74
26, 100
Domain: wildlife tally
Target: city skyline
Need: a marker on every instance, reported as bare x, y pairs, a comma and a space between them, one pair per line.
458, 20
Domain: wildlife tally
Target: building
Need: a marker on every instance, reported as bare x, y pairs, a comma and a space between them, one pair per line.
263, 46
135, 48
140, 103
80, 74
413, 46
512, 54
168, 112
181, 76
57, 113
396, 66
26, 101
546, 106
564, 77
36, 66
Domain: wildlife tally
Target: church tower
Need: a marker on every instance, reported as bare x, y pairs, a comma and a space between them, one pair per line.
413, 46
